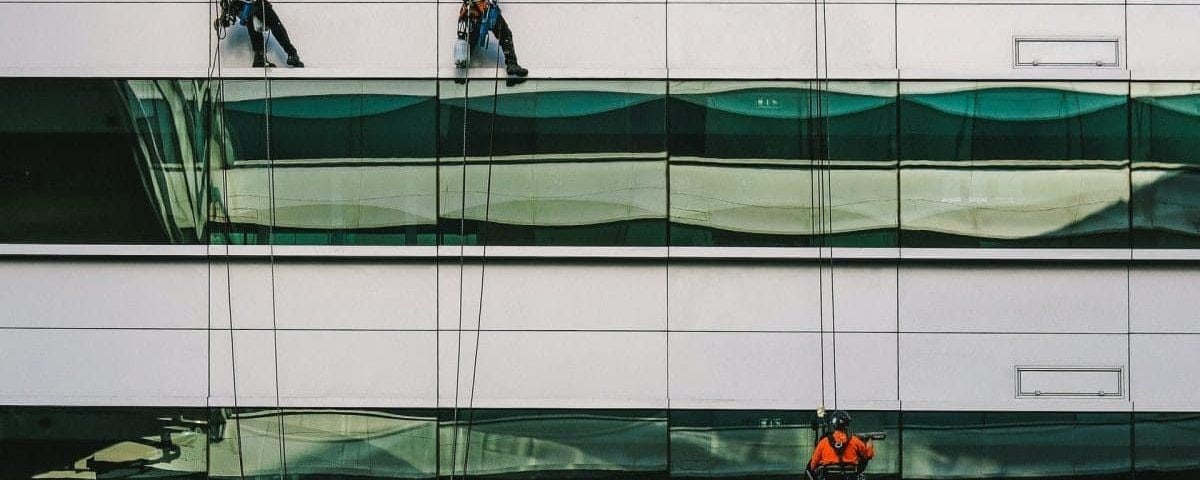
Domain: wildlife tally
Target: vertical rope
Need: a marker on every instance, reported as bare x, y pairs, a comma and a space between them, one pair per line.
271, 238
815, 211
487, 201
462, 242
216, 63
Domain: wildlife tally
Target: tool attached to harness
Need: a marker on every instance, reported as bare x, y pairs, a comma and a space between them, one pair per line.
462, 46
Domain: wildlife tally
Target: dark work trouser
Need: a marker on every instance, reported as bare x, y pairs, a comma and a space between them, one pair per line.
503, 34
265, 12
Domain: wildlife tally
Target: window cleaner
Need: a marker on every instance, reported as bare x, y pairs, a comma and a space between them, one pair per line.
257, 16
476, 19
839, 454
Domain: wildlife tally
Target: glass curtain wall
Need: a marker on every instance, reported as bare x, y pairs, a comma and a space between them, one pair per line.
1166, 165
330, 162
585, 163
570, 163
1014, 164
140, 442
779, 163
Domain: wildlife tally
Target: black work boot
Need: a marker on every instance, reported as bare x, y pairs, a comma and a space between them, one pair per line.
261, 62
514, 69
510, 59
293, 60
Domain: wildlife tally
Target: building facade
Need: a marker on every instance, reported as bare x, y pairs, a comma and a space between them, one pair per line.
972, 224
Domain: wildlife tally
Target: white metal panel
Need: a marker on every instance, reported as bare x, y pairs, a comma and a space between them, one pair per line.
977, 371
357, 369
345, 40
976, 41
555, 370
1013, 298
241, 290
459, 287
864, 297
104, 39
103, 367
356, 295
576, 296
1165, 372
1164, 298
866, 371
99, 294
1161, 40
743, 296
745, 370
565, 40
861, 40
254, 358
715, 40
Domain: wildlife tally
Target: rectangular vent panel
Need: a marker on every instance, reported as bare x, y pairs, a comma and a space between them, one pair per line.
1067, 52
1049, 382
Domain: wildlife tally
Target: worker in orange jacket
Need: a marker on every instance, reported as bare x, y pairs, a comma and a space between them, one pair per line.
839, 447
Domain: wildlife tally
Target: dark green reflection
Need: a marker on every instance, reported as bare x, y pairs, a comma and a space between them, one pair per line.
323, 443
330, 162
560, 444
740, 444
116, 442
571, 163
100, 161
938, 445
775, 163
1010, 165
1167, 446
1166, 165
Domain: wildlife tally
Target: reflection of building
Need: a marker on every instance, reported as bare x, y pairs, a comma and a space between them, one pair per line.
377, 272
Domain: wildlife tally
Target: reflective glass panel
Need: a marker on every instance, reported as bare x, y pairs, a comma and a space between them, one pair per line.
740, 444
325, 443
561, 444
553, 163
939, 445
1166, 446
1166, 165
743, 157
333, 162
100, 161
1014, 164
103, 442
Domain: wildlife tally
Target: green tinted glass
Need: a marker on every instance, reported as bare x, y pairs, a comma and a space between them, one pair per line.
102, 161
777, 163
1166, 165
331, 162
564, 444
576, 163
940, 445
103, 442
1014, 164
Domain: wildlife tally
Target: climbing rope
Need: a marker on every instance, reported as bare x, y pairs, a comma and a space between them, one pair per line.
461, 267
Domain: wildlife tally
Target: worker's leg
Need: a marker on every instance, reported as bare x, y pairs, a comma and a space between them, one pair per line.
272, 22
505, 36
257, 44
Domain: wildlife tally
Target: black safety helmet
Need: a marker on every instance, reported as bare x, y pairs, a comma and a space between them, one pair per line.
839, 420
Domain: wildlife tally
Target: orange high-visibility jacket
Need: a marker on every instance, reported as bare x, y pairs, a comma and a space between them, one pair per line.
857, 449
